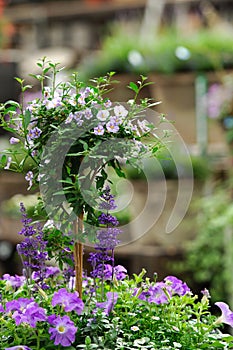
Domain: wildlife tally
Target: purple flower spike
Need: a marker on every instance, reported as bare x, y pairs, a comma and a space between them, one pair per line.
63, 331
109, 304
227, 314
18, 347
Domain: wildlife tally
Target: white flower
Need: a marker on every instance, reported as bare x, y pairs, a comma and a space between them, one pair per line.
102, 115
120, 111
134, 328
143, 126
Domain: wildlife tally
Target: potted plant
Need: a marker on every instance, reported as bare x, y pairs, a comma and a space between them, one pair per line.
72, 133
173, 61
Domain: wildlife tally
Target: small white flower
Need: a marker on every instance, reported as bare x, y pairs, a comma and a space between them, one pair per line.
134, 328
177, 345
102, 115
120, 111
8, 164
29, 177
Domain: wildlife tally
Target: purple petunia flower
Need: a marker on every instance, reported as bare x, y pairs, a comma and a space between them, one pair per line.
14, 281
119, 272
63, 331
31, 314
178, 287
18, 304
227, 314
18, 347
109, 304
155, 294
70, 301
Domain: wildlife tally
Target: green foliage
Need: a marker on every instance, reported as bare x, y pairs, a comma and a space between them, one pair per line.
207, 256
66, 153
183, 322
170, 51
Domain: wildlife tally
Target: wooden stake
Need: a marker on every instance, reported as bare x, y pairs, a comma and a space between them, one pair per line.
78, 255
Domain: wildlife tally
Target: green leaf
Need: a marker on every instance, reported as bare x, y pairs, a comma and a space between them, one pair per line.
27, 118
133, 87
3, 160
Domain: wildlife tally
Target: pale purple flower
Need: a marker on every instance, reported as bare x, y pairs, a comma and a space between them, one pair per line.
116, 120
109, 304
14, 140
99, 130
120, 111
14, 281
107, 104
88, 113
112, 127
34, 153
29, 177
227, 314
54, 102
63, 330
81, 99
70, 301
69, 119
34, 133
8, 164
18, 347
143, 125
102, 115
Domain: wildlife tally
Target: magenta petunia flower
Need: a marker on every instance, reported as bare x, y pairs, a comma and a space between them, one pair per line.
227, 314
70, 301
63, 330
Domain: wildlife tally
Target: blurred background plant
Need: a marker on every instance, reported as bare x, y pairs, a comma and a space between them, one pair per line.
208, 257
168, 52
219, 100
6, 28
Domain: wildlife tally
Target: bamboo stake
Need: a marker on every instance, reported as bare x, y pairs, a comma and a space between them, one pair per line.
78, 255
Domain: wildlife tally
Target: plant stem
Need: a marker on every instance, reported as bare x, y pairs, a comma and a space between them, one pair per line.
78, 255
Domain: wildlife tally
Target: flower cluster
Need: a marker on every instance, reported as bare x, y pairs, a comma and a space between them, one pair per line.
136, 311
